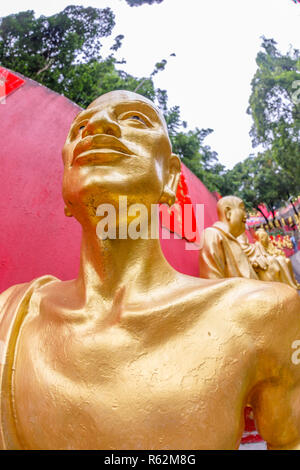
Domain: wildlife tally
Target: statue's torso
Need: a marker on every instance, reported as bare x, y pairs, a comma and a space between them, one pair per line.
170, 377
222, 256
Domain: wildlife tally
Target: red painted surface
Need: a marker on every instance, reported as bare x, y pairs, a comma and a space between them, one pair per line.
36, 238
9, 82
174, 250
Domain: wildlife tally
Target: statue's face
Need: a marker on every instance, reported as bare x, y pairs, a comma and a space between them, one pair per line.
118, 146
263, 237
237, 218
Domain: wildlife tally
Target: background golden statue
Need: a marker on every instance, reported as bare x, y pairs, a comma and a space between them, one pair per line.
132, 354
226, 251
280, 268
221, 254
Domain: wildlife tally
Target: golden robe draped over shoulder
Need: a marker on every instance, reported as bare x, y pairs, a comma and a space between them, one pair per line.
221, 255
13, 310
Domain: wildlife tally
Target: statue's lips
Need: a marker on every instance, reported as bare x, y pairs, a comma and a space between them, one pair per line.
99, 156
100, 148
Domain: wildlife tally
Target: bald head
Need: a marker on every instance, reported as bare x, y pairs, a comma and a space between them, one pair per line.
231, 211
126, 96
122, 95
228, 202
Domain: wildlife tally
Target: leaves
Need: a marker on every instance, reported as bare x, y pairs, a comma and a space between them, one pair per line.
259, 180
118, 42
273, 175
47, 47
271, 104
138, 3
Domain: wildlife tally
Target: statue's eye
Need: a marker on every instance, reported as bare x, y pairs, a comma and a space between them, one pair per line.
77, 128
138, 118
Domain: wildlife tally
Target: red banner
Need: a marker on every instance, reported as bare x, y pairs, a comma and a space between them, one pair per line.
180, 218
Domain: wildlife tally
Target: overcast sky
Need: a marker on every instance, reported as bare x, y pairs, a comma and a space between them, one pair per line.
215, 42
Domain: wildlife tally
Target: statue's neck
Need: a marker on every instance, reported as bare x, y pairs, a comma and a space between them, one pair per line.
106, 266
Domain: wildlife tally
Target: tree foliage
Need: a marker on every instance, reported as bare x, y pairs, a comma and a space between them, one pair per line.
85, 82
197, 156
271, 102
258, 180
275, 108
273, 175
137, 3
47, 48
63, 52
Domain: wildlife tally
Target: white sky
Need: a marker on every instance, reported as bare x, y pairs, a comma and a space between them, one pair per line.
215, 41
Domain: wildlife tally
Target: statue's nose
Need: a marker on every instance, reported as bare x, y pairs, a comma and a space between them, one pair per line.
102, 123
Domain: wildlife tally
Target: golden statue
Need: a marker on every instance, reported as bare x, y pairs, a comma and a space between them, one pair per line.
221, 255
132, 354
280, 268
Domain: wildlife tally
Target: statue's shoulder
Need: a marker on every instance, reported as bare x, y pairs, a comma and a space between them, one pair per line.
250, 297
14, 302
213, 229
14, 294
254, 309
261, 307
212, 234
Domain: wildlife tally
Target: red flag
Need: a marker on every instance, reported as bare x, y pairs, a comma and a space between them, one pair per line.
8, 82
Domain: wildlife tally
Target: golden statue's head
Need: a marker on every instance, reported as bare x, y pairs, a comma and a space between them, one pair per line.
231, 211
262, 237
118, 146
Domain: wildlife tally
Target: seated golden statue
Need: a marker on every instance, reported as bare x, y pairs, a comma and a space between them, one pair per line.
280, 268
221, 254
256, 258
132, 354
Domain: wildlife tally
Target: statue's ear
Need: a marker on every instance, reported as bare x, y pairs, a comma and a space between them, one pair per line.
169, 192
227, 212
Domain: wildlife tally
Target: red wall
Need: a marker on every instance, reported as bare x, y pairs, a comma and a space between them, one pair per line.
36, 238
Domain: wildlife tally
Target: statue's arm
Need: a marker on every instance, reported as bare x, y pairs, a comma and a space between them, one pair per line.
276, 397
277, 416
253, 252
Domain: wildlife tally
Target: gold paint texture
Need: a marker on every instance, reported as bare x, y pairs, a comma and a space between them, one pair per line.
132, 354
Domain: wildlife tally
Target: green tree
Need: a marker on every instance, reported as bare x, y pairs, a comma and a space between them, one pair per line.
45, 48
197, 156
63, 52
275, 107
137, 3
85, 82
258, 180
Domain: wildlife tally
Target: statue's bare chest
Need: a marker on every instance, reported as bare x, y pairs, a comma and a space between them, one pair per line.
114, 390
